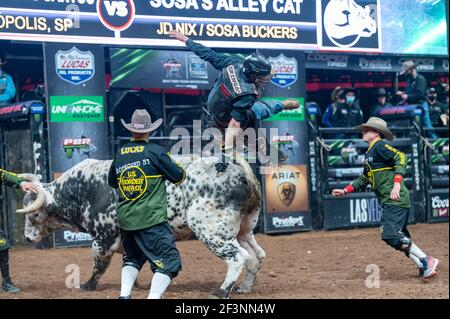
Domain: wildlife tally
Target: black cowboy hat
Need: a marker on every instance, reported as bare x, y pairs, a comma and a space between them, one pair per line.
350, 89
381, 92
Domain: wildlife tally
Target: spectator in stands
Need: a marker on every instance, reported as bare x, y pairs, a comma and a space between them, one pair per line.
433, 109
348, 114
416, 85
337, 97
381, 101
442, 90
445, 115
7, 87
445, 96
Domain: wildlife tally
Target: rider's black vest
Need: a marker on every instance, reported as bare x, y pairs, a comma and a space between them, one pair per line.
230, 85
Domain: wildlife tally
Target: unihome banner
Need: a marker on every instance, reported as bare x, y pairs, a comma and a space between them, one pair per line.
76, 109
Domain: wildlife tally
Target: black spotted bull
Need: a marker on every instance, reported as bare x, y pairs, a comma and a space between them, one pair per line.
221, 209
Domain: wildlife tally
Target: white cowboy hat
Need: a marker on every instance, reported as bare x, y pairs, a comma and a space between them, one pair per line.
406, 66
141, 122
378, 125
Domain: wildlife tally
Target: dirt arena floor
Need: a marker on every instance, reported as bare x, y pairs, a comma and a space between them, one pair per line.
302, 265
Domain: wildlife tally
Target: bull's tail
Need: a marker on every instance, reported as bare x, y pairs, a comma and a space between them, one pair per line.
253, 186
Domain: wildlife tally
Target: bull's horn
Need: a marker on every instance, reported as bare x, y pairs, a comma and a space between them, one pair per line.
30, 177
38, 203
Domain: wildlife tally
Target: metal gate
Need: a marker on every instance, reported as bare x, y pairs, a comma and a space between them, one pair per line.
23, 150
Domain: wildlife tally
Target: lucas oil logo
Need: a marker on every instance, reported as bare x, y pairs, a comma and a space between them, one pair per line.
116, 15
75, 66
285, 71
132, 183
348, 24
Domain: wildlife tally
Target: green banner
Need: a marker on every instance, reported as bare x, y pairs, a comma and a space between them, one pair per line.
288, 115
76, 109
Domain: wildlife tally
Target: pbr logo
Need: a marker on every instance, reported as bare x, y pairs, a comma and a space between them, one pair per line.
75, 66
287, 144
285, 71
83, 145
348, 24
172, 67
116, 15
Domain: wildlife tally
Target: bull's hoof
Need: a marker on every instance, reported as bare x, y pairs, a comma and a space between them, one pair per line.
243, 289
88, 286
219, 294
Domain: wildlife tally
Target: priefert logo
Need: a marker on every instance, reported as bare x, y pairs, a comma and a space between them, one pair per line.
437, 202
287, 222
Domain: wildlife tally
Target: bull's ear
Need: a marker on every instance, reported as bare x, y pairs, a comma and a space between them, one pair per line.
52, 208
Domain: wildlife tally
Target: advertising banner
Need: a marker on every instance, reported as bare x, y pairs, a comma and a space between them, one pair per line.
286, 188
67, 238
372, 63
169, 69
355, 210
76, 109
354, 25
77, 127
250, 24
437, 205
328, 61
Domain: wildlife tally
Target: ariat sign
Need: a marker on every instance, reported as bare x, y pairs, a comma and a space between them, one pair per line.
287, 190
76, 109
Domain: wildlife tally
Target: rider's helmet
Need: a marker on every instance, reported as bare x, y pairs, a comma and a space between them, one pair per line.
257, 69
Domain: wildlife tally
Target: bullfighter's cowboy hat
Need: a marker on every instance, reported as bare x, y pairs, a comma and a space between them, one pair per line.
379, 125
141, 122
